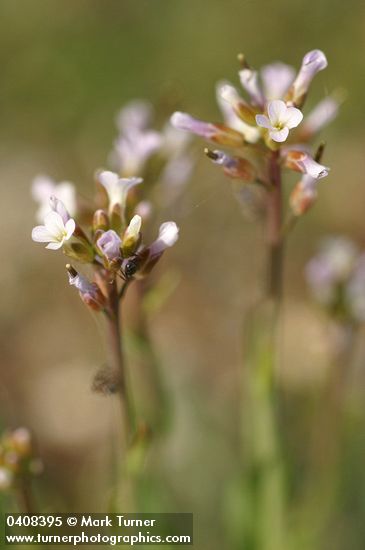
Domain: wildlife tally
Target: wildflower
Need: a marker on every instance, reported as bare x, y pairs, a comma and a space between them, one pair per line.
250, 82
301, 161
44, 187
250, 133
277, 78
55, 231
239, 105
303, 195
117, 188
313, 62
167, 237
280, 120
218, 133
109, 243
320, 116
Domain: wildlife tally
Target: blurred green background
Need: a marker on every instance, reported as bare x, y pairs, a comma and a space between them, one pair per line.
66, 69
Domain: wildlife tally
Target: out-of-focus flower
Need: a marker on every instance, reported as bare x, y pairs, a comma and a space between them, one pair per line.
218, 133
277, 78
251, 134
240, 107
280, 120
301, 161
44, 187
250, 82
109, 243
16, 457
336, 276
303, 195
136, 143
320, 116
167, 236
117, 188
55, 231
313, 62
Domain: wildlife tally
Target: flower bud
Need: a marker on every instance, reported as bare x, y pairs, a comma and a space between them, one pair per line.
233, 167
167, 237
100, 221
300, 161
250, 82
313, 62
218, 133
89, 293
109, 244
132, 236
239, 106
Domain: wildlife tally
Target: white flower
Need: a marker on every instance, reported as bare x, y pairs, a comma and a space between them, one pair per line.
250, 82
277, 78
117, 188
281, 119
135, 115
250, 133
44, 187
321, 115
109, 243
54, 231
313, 62
167, 237
6, 478
133, 149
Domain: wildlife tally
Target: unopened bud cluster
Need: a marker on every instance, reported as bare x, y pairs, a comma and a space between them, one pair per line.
17, 459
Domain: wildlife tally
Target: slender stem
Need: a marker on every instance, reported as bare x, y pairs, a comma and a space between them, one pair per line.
274, 233
116, 359
25, 497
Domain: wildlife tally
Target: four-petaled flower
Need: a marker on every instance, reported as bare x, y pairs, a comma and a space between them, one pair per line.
280, 120
55, 231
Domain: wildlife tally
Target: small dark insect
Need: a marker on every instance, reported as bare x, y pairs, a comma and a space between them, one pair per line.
131, 267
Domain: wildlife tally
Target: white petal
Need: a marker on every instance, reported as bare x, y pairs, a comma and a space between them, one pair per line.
40, 234
134, 226
277, 111
54, 223
108, 179
279, 135
293, 117
70, 228
249, 80
277, 78
263, 121
42, 188
54, 245
168, 233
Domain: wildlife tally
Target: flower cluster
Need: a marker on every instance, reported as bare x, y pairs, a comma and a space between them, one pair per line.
16, 458
269, 119
112, 245
336, 276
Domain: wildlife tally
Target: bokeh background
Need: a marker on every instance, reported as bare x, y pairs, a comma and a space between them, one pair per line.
66, 69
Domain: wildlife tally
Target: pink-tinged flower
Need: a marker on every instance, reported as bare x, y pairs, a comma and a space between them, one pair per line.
313, 62
58, 206
214, 132
109, 244
135, 115
277, 78
234, 167
44, 187
167, 237
117, 188
280, 120
55, 231
250, 82
133, 149
304, 163
250, 133
89, 292
320, 116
